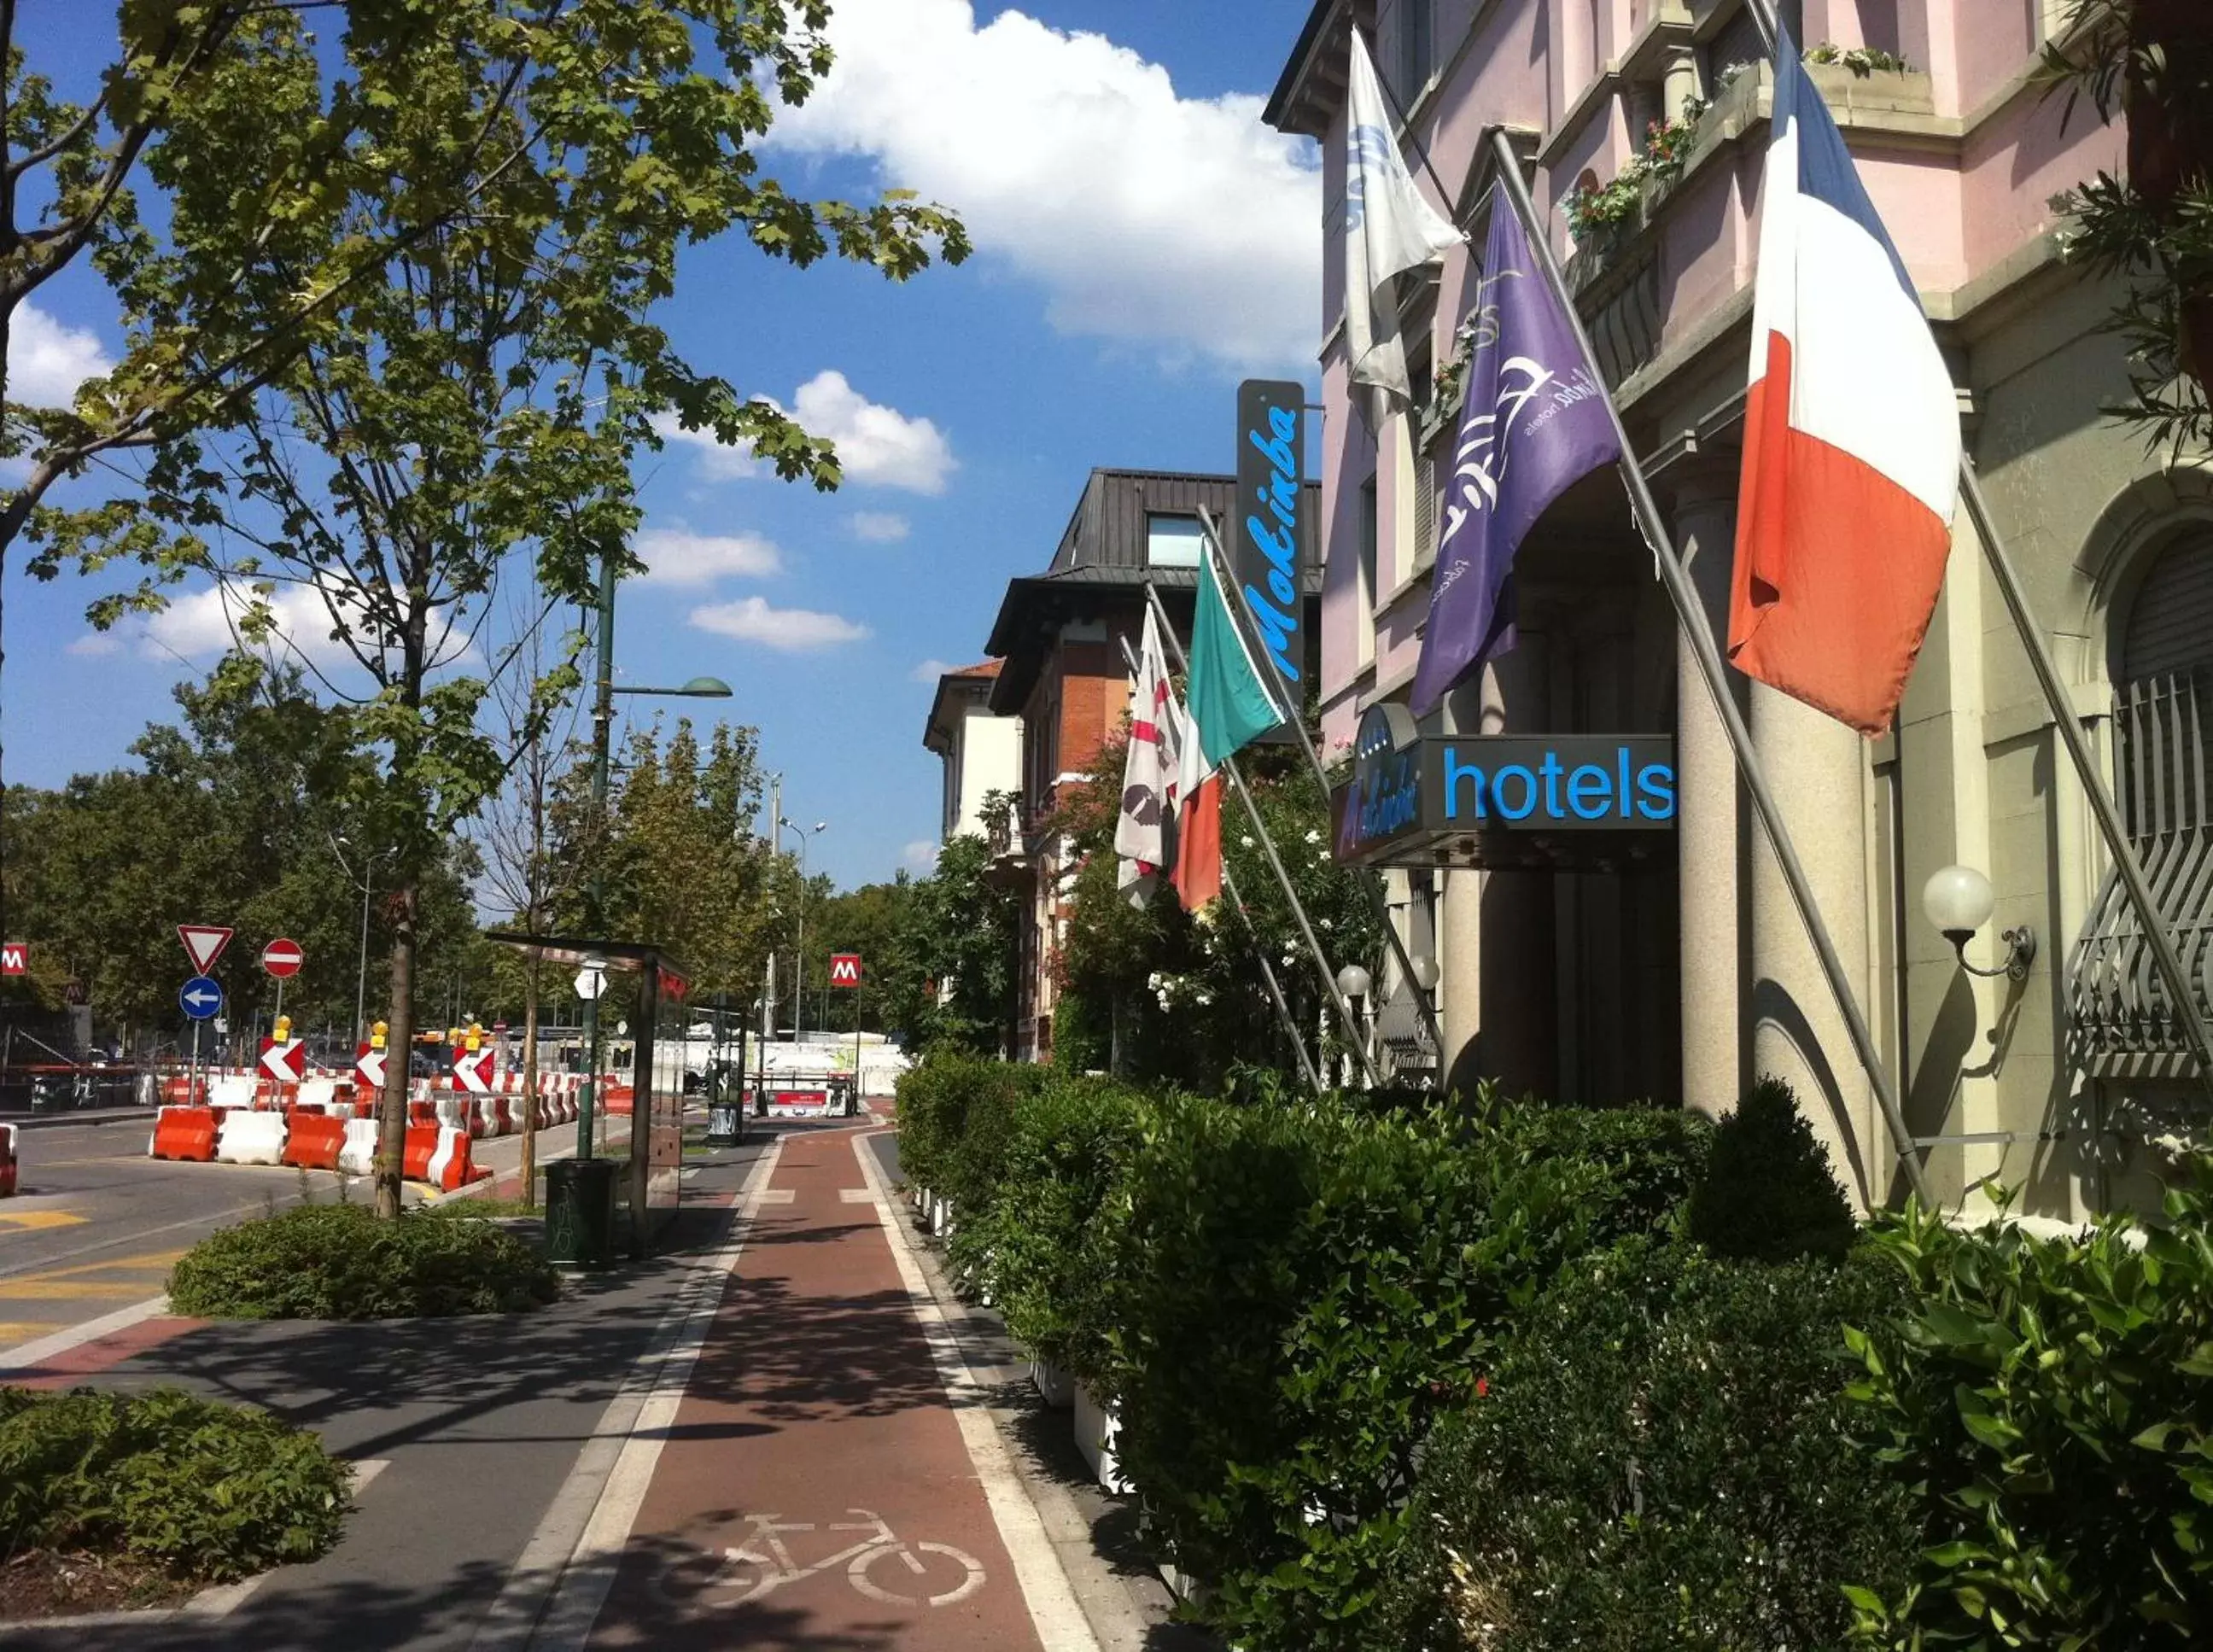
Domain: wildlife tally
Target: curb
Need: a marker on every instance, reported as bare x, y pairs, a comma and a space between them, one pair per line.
89, 1116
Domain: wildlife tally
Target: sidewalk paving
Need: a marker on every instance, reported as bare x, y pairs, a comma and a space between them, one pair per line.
785, 1435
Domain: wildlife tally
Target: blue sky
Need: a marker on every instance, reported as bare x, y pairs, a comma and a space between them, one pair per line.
1142, 244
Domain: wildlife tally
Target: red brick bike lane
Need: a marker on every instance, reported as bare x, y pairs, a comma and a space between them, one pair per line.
814, 1491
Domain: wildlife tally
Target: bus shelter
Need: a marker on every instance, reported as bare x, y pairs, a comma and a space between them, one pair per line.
635, 1129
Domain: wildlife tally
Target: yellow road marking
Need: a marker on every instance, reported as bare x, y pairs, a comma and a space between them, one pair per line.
35, 1219
63, 1290
147, 1262
15, 1331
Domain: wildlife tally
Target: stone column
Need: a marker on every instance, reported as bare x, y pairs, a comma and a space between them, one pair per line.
1711, 820
1817, 768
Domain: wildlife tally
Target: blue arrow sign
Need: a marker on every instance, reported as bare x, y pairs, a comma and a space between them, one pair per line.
202, 997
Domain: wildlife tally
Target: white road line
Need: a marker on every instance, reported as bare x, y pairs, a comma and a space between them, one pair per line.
553, 1594
1059, 1621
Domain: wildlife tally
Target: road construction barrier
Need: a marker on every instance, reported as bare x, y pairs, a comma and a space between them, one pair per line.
231, 1089
320, 1093
312, 1140
184, 1133
457, 1113
6, 1160
422, 1145
358, 1150
492, 1114
245, 1137
450, 1168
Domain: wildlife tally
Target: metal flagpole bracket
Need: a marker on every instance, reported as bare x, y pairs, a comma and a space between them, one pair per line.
1693, 617
1275, 860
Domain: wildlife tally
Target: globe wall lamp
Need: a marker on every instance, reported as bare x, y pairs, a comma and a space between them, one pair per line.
1958, 901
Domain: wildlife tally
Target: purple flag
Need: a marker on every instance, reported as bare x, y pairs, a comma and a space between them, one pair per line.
1535, 423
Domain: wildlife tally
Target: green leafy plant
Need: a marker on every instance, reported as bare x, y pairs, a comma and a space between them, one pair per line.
207, 1492
1659, 1457
1768, 1194
1667, 145
340, 1262
2053, 1401
1861, 60
1305, 1288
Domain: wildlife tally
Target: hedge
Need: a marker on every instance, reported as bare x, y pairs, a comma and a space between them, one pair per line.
207, 1492
342, 1262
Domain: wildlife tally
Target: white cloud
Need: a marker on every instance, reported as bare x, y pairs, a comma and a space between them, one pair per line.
930, 670
717, 463
878, 526
793, 630
205, 622
677, 555
920, 856
876, 445
1146, 216
96, 645
47, 359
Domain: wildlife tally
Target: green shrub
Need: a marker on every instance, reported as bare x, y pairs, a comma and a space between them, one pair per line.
1661, 1458
2055, 1401
207, 1492
1302, 1290
935, 1097
342, 1262
1769, 1194
1044, 1246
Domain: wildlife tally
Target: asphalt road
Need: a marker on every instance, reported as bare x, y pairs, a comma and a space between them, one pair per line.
95, 1225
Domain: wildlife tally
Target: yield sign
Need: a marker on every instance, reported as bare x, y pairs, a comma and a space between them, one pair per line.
367, 1070
204, 943
286, 1062
844, 969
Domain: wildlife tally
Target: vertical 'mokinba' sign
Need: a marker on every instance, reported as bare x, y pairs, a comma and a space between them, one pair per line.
1268, 529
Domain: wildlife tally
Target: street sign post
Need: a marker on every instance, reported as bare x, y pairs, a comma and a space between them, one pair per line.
201, 1000
204, 944
845, 971
591, 981
281, 959
15, 958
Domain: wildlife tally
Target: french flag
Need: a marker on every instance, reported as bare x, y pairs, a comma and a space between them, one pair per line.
1851, 443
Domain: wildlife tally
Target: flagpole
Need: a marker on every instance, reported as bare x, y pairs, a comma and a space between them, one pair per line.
1275, 862
2069, 724
1296, 718
1283, 1015
1692, 616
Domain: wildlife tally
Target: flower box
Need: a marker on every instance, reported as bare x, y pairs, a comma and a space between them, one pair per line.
1097, 1430
1053, 1383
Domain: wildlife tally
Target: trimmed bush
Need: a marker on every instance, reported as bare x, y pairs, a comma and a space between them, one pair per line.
1046, 1242
341, 1262
935, 1097
205, 1491
1661, 1458
2054, 1402
1304, 1290
1769, 1194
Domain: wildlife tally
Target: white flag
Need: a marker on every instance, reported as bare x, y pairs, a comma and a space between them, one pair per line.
1142, 831
1389, 229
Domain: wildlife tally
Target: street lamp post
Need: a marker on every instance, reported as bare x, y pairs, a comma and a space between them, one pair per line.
603, 717
799, 960
361, 974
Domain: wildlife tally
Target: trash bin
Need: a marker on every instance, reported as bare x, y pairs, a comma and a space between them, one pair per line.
580, 1211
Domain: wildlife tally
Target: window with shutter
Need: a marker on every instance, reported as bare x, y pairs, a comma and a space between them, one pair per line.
2162, 749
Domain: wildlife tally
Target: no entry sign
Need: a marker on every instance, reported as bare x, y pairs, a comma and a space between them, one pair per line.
283, 959
844, 969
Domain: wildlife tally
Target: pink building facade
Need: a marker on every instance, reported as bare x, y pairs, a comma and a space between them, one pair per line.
1682, 974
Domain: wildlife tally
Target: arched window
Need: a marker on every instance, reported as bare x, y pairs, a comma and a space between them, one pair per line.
2162, 666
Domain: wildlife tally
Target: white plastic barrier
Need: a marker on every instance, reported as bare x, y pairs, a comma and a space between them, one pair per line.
488, 1114
246, 1137
454, 1111
232, 1089
318, 1093
358, 1154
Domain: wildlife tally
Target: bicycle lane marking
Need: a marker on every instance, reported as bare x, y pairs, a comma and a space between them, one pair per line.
1059, 1621
560, 1582
817, 1417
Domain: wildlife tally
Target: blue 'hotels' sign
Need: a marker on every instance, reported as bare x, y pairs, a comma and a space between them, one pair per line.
1267, 539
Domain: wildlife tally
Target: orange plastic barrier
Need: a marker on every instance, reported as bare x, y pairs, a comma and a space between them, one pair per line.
312, 1140
618, 1098
421, 1148
185, 1133
422, 1112
451, 1166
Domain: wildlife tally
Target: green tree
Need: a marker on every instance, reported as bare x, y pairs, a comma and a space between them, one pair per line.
483, 401
951, 979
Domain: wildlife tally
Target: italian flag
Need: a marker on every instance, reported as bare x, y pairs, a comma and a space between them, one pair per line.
1228, 706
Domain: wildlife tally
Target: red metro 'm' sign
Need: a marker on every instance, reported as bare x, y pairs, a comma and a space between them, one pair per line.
844, 969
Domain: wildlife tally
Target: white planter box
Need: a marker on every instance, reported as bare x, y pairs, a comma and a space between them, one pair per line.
1097, 1430
941, 1218
1054, 1385
1181, 1584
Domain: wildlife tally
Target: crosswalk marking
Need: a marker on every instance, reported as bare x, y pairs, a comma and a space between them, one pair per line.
30, 1221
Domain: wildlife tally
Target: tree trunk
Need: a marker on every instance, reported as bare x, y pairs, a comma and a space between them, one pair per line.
391, 1117
531, 1102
